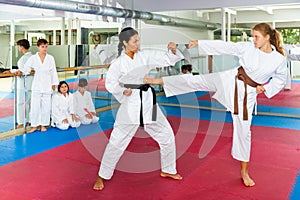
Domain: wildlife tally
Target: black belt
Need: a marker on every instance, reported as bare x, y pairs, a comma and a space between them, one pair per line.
144, 87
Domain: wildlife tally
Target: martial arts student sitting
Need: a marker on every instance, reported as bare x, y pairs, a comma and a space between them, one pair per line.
63, 109
83, 104
184, 69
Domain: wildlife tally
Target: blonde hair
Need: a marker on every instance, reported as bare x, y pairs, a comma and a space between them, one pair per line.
275, 37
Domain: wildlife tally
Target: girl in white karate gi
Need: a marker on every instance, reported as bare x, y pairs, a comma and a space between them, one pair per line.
83, 104
261, 60
63, 108
44, 81
130, 68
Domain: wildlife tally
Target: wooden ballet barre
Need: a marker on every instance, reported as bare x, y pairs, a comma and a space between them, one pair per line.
195, 57
83, 68
5, 75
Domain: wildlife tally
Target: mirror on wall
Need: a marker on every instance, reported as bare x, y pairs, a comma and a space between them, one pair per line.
97, 45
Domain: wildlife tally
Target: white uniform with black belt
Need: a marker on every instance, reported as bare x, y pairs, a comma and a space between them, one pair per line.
125, 70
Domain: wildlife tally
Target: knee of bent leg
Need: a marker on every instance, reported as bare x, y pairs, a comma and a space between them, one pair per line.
86, 121
95, 119
168, 138
63, 126
75, 124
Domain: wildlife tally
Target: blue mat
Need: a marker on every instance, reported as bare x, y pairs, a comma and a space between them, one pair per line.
7, 95
295, 193
54, 137
6, 124
191, 99
99, 103
23, 146
258, 120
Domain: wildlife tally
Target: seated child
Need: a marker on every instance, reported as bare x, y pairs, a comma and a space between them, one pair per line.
63, 108
83, 104
184, 69
190, 68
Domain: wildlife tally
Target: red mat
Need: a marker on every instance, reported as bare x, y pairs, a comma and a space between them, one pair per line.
69, 171
6, 107
93, 85
290, 99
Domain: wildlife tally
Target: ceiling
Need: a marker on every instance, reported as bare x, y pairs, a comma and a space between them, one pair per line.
175, 5
282, 13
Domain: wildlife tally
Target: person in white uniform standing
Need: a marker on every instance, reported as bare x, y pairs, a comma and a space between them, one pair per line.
293, 57
62, 113
138, 105
290, 57
83, 104
44, 82
237, 88
23, 83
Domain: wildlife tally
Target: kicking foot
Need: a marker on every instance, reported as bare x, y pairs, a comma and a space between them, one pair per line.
247, 180
33, 129
98, 185
43, 129
173, 176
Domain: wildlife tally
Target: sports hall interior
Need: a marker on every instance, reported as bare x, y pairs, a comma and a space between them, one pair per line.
60, 164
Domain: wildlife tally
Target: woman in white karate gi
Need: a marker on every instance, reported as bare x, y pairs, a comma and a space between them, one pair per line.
44, 81
83, 104
261, 60
63, 108
126, 72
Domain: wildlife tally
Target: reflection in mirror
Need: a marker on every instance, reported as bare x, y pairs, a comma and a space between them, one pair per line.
73, 62
98, 46
6, 104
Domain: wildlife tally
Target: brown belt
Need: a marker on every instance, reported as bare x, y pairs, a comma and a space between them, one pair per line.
241, 75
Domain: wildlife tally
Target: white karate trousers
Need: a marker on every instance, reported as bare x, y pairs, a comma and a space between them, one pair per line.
85, 120
23, 84
122, 134
65, 126
241, 139
40, 109
222, 84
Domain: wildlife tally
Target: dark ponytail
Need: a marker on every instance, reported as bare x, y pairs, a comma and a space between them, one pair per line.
125, 35
120, 48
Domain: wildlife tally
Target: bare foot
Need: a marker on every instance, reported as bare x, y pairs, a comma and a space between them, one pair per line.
173, 176
33, 129
20, 126
247, 180
98, 185
43, 129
